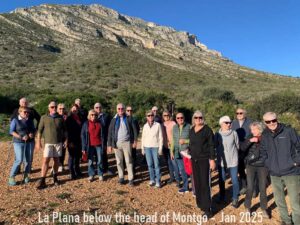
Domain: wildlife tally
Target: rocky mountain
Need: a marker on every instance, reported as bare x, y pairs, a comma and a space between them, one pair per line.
90, 48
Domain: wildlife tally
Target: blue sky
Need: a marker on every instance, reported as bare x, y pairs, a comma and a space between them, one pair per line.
261, 34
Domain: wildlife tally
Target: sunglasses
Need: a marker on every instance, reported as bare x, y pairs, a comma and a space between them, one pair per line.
239, 113
198, 117
97, 107
61, 108
120, 108
150, 115
52, 107
179, 118
26, 112
271, 121
227, 123
166, 115
129, 110
93, 114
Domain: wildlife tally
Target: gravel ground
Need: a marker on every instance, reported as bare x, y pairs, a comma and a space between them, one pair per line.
106, 202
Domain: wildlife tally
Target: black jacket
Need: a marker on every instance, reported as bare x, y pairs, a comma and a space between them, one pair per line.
202, 144
244, 130
114, 127
253, 156
281, 150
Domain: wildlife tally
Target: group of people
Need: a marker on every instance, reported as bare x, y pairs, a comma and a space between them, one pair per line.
250, 151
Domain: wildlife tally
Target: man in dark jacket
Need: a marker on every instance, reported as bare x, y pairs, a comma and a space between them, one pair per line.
242, 127
122, 137
280, 147
129, 113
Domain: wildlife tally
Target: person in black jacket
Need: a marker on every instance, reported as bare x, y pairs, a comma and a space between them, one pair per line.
255, 168
280, 147
241, 126
74, 124
203, 160
122, 137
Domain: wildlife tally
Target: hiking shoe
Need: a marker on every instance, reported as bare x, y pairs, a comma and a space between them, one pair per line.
26, 179
41, 184
235, 203
12, 181
101, 178
182, 191
243, 191
170, 181
55, 180
121, 181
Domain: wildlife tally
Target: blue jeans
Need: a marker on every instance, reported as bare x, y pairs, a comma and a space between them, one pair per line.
23, 153
180, 168
92, 152
234, 178
176, 170
169, 163
153, 164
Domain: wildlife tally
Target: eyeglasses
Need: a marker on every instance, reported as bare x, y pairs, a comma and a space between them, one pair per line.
150, 115
198, 117
271, 121
97, 107
166, 115
52, 107
227, 123
239, 113
26, 112
120, 108
129, 110
179, 118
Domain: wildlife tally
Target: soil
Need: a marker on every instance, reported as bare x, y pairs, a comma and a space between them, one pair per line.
79, 202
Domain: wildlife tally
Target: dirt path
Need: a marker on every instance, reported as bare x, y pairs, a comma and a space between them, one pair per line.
82, 202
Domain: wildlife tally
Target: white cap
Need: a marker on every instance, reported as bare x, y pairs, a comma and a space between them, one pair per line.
224, 119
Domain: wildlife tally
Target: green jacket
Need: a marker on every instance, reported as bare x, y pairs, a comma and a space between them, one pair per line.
180, 133
52, 128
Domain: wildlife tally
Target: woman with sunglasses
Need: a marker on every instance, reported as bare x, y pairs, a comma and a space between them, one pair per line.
92, 144
203, 155
227, 145
151, 144
22, 129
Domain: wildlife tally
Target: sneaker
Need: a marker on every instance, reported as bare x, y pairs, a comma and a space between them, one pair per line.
131, 183
265, 214
182, 191
178, 185
170, 181
12, 181
26, 179
151, 184
101, 178
157, 186
235, 203
60, 169
41, 184
90, 179
121, 181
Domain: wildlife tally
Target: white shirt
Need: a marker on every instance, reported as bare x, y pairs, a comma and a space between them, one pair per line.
152, 137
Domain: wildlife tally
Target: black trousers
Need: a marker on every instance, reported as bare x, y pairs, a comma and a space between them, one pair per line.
260, 174
242, 174
201, 176
63, 155
74, 160
105, 159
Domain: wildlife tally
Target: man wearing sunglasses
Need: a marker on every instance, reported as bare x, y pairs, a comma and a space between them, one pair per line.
52, 127
242, 127
122, 137
280, 147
